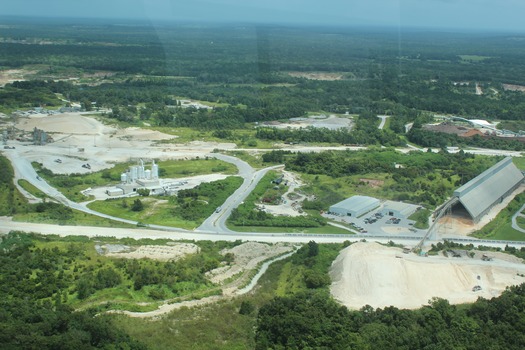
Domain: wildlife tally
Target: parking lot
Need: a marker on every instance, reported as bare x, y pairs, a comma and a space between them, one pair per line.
376, 223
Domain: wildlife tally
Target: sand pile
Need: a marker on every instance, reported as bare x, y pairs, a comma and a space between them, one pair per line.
369, 273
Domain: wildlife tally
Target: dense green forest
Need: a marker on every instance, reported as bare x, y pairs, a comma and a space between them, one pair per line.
254, 73
314, 321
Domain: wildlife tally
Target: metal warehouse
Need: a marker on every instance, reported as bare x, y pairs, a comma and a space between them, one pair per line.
355, 206
480, 194
398, 209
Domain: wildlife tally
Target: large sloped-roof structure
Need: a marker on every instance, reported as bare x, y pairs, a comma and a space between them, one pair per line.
480, 194
355, 206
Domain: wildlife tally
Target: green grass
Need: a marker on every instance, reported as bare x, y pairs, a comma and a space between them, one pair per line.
500, 228
170, 211
78, 219
156, 211
421, 218
254, 160
26, 185
72, 185
325, 230
519, 162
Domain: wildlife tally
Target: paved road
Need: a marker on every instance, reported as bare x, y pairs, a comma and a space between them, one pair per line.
213, 228
217, 221
383, 121
514, 222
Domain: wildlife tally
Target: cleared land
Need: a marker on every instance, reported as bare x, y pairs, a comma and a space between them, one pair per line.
369, 273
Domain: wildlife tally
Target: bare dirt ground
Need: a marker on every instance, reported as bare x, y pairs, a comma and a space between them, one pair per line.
512, 87
291, 206
10, 75
317, 75
80, 139
174, 251
369, 273
320, 121
246, 257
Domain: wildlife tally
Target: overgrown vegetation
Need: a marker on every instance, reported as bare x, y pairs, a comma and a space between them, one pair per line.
267, 191
11, 200
188, 209
423, 178
71, 185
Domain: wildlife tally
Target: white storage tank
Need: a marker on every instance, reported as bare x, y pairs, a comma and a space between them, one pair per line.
147, 174
134, 173
123, 178
154, 171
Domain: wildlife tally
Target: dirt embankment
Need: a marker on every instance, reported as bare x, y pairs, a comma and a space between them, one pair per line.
369, 273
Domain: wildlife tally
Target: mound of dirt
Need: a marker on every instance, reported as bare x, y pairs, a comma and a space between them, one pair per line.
369, 273
174, 251
246, 257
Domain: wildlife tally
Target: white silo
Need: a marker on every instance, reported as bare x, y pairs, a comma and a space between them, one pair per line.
134, 173
123, 178
154, 171
147, 174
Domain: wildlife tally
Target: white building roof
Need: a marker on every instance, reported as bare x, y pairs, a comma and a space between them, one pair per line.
482, 192
357, 203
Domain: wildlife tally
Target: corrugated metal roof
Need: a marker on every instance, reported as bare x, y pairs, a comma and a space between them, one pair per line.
357, 203
480, 193
405, 209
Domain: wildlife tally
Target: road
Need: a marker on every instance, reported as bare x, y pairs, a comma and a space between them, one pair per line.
214, 228
383, 121
217, 221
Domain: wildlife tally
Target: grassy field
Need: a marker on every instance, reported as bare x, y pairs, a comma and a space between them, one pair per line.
26, 185
500, 227
156, 211
186, 212
77, 218
519, 162
254, 160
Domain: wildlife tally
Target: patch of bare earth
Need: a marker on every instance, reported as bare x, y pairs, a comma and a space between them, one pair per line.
512, 87
246, 257
172, 252
373, 183
379, 276
317, 75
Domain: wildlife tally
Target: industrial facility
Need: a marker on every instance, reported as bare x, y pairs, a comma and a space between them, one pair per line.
480, 194
136, 177
355, 206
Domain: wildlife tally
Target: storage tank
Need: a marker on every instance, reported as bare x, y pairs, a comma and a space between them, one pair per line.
134, 173
154, 171
147, 174
123, 178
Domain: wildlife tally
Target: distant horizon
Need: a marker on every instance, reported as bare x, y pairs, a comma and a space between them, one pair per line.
456, 15
167, 22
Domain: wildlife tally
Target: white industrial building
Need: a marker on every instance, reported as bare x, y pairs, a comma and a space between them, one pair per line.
137, 177
355, 206
398, 209
480, 194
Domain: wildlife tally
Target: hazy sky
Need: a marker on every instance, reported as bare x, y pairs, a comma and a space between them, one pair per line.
469, 14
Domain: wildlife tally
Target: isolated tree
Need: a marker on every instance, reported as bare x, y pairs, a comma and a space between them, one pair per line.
137, 205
